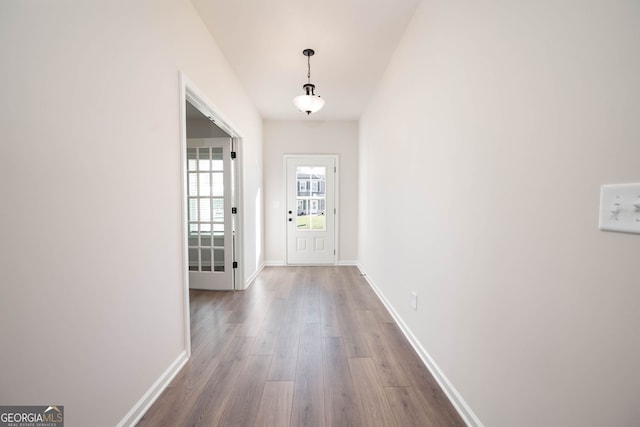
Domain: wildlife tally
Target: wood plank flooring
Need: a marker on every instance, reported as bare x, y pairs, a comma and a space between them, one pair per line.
303, 346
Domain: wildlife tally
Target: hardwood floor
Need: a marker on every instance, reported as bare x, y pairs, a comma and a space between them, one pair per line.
303, 346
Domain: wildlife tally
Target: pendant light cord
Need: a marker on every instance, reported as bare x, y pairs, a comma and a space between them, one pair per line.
309, 69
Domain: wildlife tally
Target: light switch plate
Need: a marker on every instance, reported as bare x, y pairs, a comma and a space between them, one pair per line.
620, 208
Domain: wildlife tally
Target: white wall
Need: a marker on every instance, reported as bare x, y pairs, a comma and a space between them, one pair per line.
90, 185
494, 126
310, 137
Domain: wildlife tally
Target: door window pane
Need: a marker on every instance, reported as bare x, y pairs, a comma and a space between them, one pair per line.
193, 184
192, 163
216, 156
311, 188
194, 261
302, 218
204, 184
218, 259
217, 186
218, 209
317, 221
204, 162
193, 209
205, 259
205, 209
193, 239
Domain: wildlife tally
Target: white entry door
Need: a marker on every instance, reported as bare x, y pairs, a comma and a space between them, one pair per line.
311, 215
209, 222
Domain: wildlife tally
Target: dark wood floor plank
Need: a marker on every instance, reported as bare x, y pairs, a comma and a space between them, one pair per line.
308, 395
409, 408
251, 322
388, 367
295, 305
341, 405
355, 339
285, 356
270, 328
242, 409
217, 394
420, 378
188, 387
242, 306
382, 315
334, 358
329, 321
311, 309
275, 406
360, 293
284, 283
308, 403
372, 400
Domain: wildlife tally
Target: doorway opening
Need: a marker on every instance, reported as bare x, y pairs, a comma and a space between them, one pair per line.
211, 198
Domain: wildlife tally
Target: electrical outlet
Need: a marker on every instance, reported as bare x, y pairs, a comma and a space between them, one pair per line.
414, 300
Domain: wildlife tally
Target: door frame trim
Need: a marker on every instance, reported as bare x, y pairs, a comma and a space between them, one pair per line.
336, 197
190, 92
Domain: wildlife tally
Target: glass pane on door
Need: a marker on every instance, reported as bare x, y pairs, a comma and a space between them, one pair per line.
311, 195
206, 205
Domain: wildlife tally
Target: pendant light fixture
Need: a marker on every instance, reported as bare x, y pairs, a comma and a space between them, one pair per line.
309, 102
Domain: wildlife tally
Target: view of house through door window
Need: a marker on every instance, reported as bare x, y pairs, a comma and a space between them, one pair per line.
311, 197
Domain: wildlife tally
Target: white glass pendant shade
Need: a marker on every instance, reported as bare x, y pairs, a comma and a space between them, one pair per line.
308, 103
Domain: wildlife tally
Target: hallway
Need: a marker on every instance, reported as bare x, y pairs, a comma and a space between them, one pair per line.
303, 346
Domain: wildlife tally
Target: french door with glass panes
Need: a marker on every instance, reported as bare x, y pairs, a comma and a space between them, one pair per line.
209, 222
311, 215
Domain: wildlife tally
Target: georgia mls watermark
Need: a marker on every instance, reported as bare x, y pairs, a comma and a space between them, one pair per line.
32, 416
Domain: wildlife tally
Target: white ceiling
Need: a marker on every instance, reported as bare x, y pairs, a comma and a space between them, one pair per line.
263, 41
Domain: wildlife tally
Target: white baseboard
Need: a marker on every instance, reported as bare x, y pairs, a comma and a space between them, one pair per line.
283, 264
145, 402
251, 278
452, 394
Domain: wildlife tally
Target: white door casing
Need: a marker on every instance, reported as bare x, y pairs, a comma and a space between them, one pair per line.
311, 209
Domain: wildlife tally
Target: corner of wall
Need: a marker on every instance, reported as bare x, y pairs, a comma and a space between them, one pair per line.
249, 281
145, 402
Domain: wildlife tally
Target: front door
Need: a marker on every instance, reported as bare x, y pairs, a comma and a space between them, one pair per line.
209, 224
311, 209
